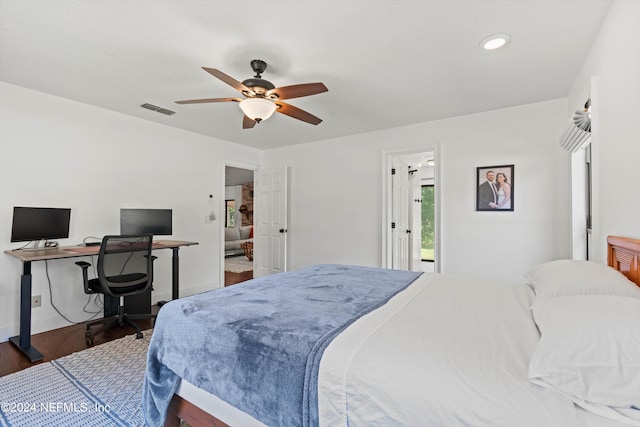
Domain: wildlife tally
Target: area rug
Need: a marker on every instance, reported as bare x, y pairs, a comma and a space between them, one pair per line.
100, 386
238, 264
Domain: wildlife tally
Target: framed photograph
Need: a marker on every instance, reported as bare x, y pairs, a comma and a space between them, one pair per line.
494, 188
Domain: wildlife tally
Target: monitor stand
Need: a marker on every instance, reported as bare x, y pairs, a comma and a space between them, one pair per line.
37, 247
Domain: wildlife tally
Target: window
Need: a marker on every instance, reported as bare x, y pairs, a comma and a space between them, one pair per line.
230, 213
428, 223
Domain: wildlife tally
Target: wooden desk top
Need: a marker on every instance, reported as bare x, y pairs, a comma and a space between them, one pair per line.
77, 251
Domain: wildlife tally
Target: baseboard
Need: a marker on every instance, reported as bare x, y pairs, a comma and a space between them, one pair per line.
5, 333
55, 322
184, 291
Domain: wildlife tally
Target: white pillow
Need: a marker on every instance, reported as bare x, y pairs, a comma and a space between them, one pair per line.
574, 277
590, 349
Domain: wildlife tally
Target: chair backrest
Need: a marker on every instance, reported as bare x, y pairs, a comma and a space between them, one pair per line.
126, 262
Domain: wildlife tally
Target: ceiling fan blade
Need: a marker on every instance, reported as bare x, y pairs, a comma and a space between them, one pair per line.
247, 123
297, 91
297, 113
205, 100
230, 81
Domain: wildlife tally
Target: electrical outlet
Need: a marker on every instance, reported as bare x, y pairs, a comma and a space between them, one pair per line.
36, 301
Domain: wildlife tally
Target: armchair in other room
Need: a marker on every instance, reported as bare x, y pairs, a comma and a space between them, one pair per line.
124, 268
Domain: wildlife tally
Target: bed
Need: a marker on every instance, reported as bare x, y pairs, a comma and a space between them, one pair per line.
558, 348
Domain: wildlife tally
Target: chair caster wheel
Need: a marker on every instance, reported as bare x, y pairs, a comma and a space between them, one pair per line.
89, 338
139, 335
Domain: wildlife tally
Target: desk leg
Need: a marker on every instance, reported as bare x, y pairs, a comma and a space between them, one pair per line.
23, 341
175, 278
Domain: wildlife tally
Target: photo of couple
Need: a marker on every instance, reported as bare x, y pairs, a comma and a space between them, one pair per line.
495, 188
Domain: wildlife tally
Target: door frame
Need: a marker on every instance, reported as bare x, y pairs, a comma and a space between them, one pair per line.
222, 206
388, 156
582, 191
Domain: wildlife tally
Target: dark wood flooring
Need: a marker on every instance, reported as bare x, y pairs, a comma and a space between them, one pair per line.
233, 278
60, 342
69, 339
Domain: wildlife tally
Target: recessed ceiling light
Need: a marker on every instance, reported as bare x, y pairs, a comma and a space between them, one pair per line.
495, 41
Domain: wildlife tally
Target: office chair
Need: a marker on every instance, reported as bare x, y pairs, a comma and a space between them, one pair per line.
125, 268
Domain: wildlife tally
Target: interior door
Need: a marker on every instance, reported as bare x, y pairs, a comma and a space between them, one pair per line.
416, 222
270, 235
400, 217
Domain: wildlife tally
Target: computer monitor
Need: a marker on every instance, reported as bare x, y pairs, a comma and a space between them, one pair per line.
35, 224
140, 221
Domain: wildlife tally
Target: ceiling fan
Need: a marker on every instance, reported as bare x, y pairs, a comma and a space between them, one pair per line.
262, 98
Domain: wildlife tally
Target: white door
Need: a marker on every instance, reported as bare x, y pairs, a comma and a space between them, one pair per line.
416, 223
270, 236
400, 216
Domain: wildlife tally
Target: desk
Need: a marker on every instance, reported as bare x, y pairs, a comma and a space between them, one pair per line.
23, 341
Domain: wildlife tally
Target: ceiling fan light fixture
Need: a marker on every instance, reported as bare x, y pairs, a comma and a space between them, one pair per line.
257, 109
262, 98
495, 41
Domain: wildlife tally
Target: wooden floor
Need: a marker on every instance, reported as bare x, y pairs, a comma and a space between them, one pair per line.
233, 278
63, 341
60, 342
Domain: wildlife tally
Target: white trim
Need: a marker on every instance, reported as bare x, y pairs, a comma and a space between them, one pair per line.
578, 196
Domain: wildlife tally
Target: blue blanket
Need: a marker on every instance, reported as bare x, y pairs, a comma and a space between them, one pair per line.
258, 345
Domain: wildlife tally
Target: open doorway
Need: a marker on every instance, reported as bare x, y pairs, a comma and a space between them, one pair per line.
238, 224
412, 222
427, 220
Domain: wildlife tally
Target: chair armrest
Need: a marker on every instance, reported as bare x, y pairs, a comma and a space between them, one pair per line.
153, 258
85, 276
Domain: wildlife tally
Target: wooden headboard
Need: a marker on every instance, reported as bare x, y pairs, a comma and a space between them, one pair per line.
623, 256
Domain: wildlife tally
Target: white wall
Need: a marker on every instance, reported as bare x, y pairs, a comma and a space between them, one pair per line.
59, 153
612, 69
336, 192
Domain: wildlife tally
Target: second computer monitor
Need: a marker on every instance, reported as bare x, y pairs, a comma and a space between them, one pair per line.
140, 221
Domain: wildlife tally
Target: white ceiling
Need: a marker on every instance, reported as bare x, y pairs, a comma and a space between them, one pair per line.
387, 63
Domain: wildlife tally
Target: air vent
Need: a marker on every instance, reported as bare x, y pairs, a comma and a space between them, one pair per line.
157, 109
578, 135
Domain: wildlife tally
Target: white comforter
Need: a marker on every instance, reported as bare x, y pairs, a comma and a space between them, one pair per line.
448, 351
